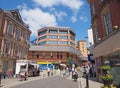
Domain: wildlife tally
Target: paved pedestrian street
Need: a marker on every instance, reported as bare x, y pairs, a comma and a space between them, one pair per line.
48, 82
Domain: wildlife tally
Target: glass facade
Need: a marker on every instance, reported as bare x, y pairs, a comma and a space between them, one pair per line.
42, 43
72, 44
63, 42
53, 31
63, 37
56, 35
52, 42
42, 32
71, 38
63, 32
43, 37
53, 37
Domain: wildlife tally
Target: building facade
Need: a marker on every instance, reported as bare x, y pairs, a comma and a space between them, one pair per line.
83, 48
106, 32
91, 45
56, 36
14, 39
55, 45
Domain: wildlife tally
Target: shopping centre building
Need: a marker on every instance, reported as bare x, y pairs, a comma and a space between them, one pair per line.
55, 45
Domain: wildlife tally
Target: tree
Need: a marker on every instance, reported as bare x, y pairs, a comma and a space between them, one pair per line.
70, 61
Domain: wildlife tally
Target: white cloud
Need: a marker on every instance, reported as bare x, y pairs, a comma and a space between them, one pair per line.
83, 18
36, 19
72, 4
60, 15
73, 19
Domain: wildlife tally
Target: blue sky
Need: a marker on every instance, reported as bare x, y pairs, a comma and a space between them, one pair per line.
40, 13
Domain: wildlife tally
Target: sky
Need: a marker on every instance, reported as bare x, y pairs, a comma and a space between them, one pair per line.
41, 13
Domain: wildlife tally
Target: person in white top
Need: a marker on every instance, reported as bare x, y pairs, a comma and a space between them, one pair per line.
48, 71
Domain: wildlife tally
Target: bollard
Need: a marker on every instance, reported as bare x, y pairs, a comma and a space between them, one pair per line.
87, 81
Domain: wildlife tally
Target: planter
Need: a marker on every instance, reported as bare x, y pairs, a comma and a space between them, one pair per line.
105, 71
107, 82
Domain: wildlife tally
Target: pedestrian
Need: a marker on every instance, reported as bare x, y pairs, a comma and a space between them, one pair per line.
48, 71
25, 76
64, 73
91, 70
4, 75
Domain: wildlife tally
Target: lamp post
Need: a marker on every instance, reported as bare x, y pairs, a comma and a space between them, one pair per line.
87, 81
0, 79
0, 72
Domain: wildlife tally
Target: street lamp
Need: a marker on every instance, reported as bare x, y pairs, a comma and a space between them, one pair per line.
87, 81
0, 73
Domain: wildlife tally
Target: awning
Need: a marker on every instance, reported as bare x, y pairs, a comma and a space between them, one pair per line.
43, 62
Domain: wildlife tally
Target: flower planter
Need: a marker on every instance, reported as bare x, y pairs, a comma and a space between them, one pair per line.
104, 71
107, 82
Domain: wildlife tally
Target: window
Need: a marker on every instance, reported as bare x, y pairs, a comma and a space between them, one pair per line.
71, 38
43, 55
96, 34
43, 37
42, 32
24, 52
107, 23
52, 42
16, 51
10, 29
63, 42
53, 37
25, 37
59, 55
37, 55
7, 50
72, 44
72, 33
63, 37
42, 43
51, 55
93, 9
53, 31
63, 32
18, 33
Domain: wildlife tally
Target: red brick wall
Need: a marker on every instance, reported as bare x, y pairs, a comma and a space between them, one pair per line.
47, 56
115, 13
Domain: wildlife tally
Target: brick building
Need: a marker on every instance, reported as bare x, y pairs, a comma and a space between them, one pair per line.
55, 45
14, 39
106, 32
57, 36
83, 48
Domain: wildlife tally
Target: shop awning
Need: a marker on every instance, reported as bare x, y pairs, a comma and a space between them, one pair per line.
43, 62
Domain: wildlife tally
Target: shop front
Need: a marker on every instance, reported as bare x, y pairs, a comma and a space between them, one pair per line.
45, 65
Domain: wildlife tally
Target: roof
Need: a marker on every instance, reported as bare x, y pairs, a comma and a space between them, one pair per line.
56, 28
55, 48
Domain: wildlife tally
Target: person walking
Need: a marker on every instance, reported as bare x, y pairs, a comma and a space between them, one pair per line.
48, 71
4, 75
